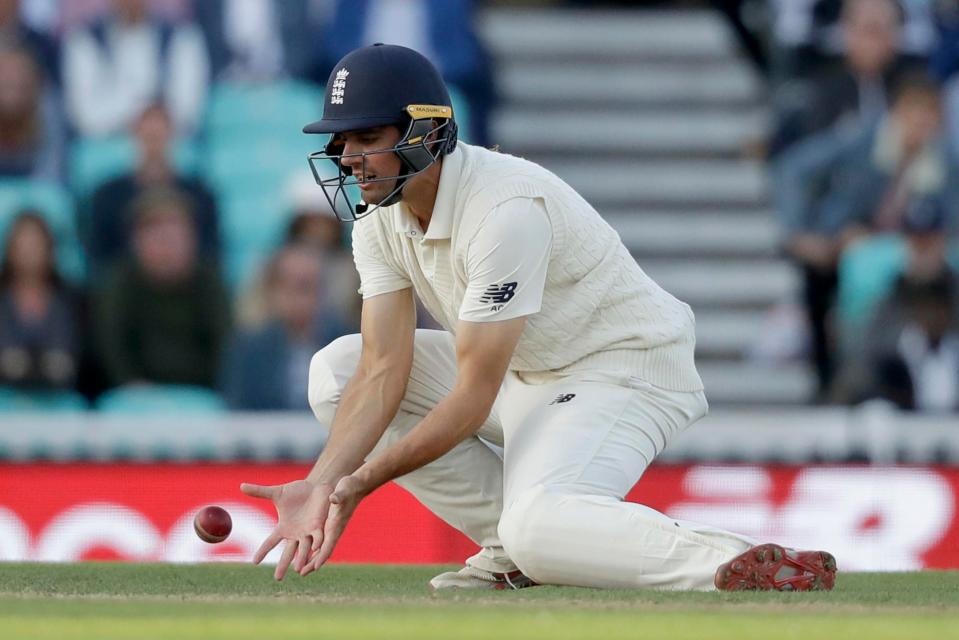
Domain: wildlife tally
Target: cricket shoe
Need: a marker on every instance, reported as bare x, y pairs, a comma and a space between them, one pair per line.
770, 567
472, 578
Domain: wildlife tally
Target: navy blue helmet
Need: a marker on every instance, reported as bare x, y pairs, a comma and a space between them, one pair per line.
377, 86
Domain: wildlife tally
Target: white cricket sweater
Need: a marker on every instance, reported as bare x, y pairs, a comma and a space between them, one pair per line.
599, 312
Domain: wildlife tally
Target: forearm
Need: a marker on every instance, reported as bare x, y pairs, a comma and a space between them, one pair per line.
369, 403
455, 418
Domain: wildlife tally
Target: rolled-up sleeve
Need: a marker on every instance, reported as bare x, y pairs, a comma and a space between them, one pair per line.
506, 262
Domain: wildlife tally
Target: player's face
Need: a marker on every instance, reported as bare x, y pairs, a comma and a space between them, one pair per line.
367, 168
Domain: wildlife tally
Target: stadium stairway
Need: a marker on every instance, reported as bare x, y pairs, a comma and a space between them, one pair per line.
648, 114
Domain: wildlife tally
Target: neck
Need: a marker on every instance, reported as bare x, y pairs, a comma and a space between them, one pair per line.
420, 194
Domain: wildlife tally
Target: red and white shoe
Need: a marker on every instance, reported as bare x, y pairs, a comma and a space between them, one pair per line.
770, 567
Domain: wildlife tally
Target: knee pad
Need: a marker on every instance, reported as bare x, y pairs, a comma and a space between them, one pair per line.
330, 370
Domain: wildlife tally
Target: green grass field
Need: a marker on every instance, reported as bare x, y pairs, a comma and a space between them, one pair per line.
143, 602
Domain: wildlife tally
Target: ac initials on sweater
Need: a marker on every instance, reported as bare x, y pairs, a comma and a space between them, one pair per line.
508, 238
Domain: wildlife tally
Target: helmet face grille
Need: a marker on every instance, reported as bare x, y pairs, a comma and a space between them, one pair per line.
420, 147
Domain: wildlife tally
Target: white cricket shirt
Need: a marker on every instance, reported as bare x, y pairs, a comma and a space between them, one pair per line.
508, 238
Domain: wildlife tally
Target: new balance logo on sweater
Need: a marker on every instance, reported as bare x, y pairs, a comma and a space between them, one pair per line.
499, 294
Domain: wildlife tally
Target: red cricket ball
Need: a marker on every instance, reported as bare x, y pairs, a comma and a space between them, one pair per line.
212, 524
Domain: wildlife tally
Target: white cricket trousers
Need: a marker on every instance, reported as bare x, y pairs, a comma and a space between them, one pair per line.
552, 505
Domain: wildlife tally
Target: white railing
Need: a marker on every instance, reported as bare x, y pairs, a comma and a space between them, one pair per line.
871, 433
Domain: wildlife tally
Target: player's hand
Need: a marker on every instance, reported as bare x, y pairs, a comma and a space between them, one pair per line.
349, 491
302, 508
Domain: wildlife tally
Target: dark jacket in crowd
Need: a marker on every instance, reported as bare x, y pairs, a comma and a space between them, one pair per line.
44, 354
163, 334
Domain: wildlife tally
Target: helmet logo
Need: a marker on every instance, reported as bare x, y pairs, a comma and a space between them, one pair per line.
339, 86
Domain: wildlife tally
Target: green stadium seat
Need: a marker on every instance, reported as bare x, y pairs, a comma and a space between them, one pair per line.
57, 207
264, 160
153, 399
239, 109
21, 401
251, 227
867, 271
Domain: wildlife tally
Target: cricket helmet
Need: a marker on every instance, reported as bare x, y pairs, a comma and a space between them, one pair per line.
376, 86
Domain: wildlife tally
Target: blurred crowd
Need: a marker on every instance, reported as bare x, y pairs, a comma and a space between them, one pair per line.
865, 181
161, 232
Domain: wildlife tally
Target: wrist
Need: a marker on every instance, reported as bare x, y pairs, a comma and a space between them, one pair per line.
367, 477
322, 479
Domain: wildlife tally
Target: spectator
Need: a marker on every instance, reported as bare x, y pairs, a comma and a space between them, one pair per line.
907, 156
808, 33
839, 185
442, 30
108, 235
117, 66
31, 135
312, 223
164, 314
15, 33
267, 368
39, 344
912, 346
257, 39
856, 91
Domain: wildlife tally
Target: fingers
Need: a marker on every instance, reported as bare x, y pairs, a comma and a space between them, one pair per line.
334, 527
326, 550
317, 535
285, 559
310, 566
258, 491
271, 541
302, 553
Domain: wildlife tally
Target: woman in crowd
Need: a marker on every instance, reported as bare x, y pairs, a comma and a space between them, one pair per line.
39, 345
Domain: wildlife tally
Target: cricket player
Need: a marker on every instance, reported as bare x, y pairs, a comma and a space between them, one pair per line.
563, 370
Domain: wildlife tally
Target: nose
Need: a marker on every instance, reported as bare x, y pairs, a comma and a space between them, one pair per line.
349, 159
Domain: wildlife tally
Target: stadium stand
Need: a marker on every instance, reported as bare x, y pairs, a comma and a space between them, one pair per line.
647, 115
